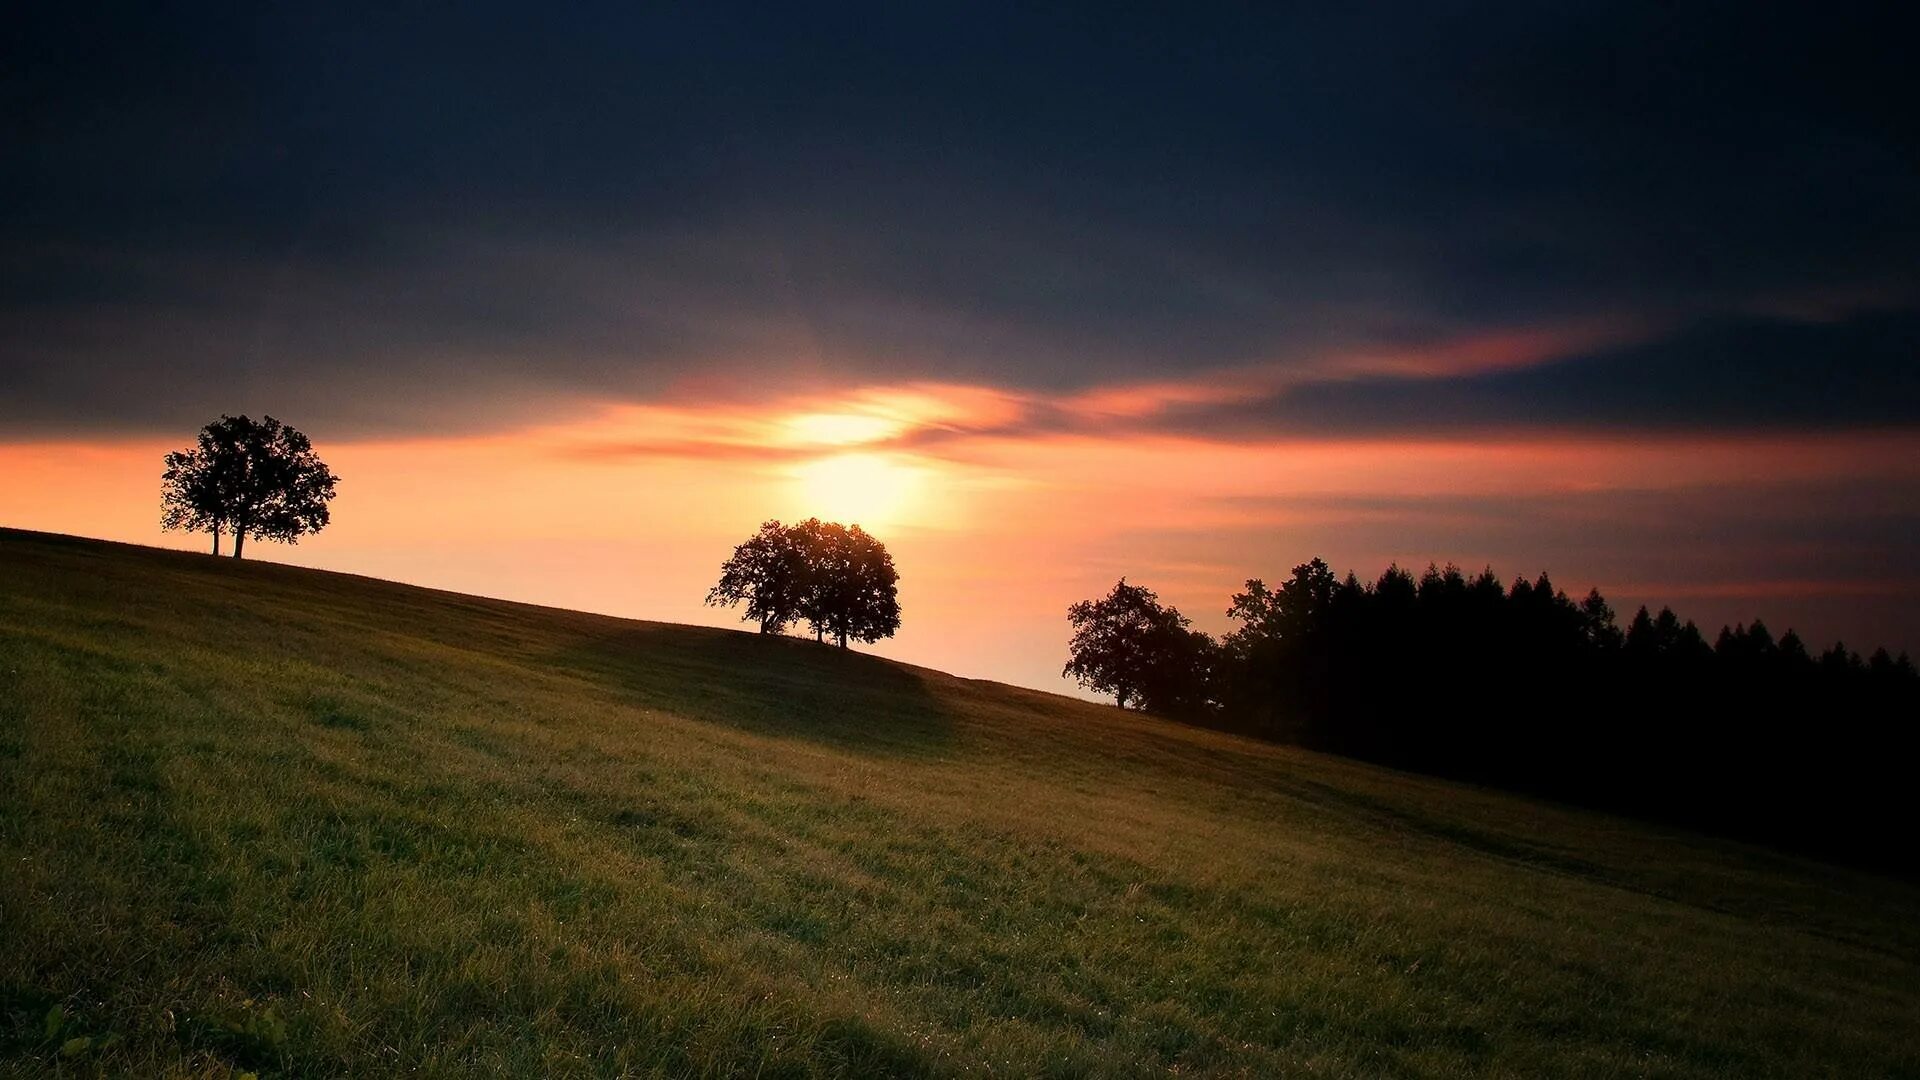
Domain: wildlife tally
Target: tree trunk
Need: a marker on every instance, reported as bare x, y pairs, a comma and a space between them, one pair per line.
1122, 695
216, 539
843, 639
239, 540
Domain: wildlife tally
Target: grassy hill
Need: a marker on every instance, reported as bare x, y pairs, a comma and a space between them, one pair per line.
257, 818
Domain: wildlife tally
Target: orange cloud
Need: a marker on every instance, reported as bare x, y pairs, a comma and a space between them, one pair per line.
1472, 354
789, 427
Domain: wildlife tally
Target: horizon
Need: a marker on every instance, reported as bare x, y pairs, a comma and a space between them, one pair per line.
1042, 301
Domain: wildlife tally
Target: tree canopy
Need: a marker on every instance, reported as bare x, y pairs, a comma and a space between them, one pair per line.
839, 579
1142, 652
769, 573
247, 478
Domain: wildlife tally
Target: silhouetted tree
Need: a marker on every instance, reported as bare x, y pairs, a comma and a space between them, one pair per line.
818, 540
838, 578
1275, 676
248, 478
853, 592
1596, 617
1793, 653
1640, 638
771, 573
190, 497
1837, 661
1142, 652
1294, 610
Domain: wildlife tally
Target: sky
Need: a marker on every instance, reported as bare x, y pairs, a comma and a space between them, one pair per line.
1041, 295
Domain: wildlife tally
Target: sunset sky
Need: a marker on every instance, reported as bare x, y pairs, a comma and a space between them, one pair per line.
573, 302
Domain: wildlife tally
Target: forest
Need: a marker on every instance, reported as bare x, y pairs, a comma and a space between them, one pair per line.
1523, 687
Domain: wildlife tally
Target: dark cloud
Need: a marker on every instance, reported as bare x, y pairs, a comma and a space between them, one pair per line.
392, 220
1729, 374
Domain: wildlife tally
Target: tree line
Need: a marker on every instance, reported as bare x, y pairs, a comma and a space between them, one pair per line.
1523, 687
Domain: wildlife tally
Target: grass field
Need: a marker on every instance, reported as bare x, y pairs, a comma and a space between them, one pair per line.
263, 819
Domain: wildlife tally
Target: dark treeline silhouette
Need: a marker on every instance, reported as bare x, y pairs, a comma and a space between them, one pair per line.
1523, 687
836, 578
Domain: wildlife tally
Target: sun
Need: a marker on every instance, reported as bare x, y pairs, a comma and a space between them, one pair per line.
870, 490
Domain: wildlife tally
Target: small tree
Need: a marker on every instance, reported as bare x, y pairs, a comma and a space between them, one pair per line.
769, 573
1131, 646
248, 478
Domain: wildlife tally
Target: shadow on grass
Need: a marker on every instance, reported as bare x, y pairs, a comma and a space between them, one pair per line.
770, 685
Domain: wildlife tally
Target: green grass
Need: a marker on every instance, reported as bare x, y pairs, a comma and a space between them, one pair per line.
256, 818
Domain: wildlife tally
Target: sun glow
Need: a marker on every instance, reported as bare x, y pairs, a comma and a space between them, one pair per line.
842, 429
871, 490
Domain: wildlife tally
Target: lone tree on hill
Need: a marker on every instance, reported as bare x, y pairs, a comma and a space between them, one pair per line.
248, 478
1131, 646
838, 578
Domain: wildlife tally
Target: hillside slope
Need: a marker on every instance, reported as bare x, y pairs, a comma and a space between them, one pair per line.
268, 819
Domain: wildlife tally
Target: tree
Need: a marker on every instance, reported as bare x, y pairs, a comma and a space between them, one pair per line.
1596, 619
769, 572
190, 495
248, 478
840, 579
1793, 653
1131, 646
1296, 609
853, 592
1837, 662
